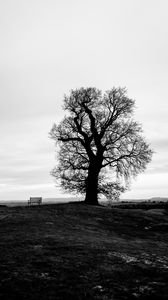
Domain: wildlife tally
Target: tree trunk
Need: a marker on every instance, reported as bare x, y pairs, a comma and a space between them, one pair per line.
92, 187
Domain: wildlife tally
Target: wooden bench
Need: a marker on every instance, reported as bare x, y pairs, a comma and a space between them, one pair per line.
35, 200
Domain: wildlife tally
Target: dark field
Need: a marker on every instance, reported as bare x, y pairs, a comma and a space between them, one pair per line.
72, 251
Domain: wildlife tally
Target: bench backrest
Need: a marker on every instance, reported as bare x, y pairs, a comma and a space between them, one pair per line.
35, 200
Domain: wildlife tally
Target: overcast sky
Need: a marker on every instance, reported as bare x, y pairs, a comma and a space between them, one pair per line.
51, 46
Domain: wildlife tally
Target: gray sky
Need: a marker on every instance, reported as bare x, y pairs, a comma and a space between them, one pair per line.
51, 46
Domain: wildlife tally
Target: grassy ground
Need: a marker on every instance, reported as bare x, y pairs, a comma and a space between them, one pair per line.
72, 251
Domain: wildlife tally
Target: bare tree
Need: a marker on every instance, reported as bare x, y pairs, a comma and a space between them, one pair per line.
98, 140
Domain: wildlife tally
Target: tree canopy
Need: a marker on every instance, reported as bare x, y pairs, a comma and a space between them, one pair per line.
101, 146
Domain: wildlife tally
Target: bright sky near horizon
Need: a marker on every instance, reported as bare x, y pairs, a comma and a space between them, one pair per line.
51, 46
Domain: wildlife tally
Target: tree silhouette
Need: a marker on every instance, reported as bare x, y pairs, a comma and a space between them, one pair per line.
101, 146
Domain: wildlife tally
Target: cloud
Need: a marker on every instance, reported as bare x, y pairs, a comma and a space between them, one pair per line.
50, 47
27, 154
